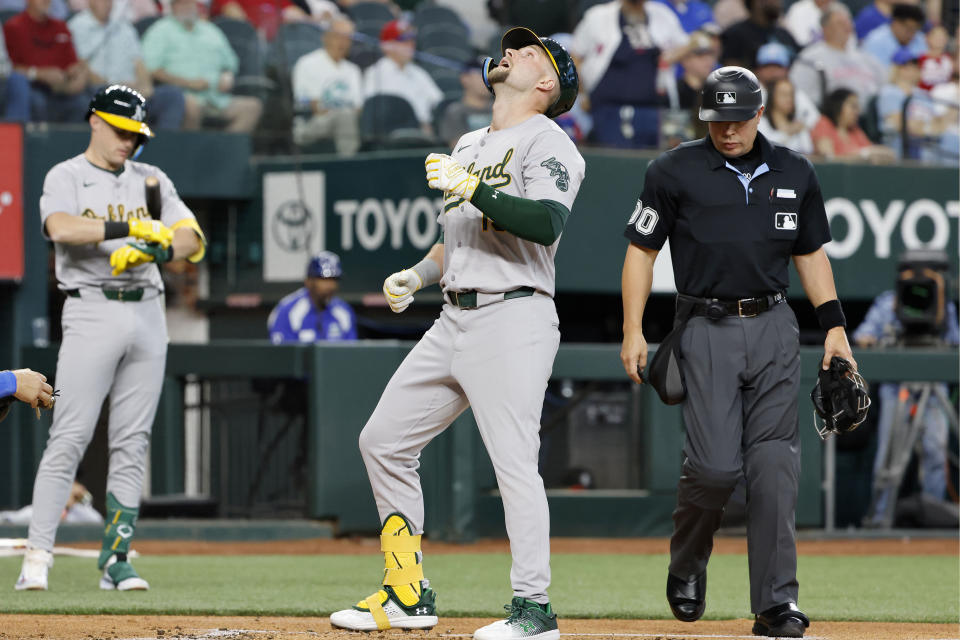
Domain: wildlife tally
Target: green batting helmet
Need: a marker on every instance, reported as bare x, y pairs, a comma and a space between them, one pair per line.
520, 37
123, 108
730, 94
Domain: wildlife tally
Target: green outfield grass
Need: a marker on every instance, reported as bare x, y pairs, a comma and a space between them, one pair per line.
880, 588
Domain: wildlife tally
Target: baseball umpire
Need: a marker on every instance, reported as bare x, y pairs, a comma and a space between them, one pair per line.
736, 208
97, 208
508, 190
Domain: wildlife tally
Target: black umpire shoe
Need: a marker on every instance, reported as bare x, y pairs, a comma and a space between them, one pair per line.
687, 598
781, 621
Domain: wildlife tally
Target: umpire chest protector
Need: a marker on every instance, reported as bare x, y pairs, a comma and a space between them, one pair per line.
731, 232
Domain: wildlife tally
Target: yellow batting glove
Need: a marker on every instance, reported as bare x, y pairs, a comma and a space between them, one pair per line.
128, 256
446, 174
151, 231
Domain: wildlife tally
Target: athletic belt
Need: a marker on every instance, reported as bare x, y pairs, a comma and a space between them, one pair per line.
475, 299
122, 295
744, 307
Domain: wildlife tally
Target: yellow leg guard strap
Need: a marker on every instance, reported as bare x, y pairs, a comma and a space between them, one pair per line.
376, 610
400, 544
407, 575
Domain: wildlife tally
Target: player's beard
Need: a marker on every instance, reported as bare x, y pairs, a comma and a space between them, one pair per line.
498, 74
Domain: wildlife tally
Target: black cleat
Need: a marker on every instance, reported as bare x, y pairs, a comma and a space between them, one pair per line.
781, 621
687, 598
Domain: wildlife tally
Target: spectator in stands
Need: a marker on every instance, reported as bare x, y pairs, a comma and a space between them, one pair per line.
872, 16
780, 124
110, 47
472, 112
328, 89
701, 58
40, 47
729, 12
946, 97
936, 65
396, 74
314, 312
922, 120
773, 64
265, 15
803, 20
130, 10
693, 14
836, 62
902, 31
742, 40
838, 136
619, 47
14, 89
186, 50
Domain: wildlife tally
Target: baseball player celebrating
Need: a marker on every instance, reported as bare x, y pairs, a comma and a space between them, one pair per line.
508, 190
97, 211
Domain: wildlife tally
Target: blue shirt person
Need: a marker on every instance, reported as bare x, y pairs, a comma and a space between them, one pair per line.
314, 312
882, 325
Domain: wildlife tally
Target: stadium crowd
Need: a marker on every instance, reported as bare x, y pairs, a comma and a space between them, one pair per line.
844, 80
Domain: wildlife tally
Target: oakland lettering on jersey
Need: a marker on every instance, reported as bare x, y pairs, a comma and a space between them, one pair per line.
495, 176
117, 213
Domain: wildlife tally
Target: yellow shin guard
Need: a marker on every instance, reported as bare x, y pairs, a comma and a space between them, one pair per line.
402, 573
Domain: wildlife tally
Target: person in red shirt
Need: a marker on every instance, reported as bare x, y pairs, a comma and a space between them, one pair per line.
936, 65
41, 48
265, 15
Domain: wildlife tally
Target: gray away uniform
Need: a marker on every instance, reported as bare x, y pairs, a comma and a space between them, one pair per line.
110, 347
496, 358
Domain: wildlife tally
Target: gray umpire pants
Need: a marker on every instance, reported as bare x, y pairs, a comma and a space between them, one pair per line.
109, 347
742, 377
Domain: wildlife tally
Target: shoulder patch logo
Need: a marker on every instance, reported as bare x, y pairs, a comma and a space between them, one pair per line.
558, 171
726, 97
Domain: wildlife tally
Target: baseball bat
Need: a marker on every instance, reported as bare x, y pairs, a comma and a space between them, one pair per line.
152, 189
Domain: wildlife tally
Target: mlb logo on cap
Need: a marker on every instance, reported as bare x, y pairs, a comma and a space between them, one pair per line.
726, 97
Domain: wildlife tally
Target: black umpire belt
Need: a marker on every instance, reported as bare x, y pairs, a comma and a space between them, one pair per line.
121, 295
715, 309
475, 299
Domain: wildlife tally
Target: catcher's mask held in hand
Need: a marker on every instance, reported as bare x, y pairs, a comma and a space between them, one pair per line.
840, 399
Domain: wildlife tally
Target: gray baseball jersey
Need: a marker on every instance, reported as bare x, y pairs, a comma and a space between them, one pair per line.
79, 188
114, 348
534, 159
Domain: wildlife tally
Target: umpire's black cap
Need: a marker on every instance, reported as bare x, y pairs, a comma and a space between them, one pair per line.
730, 94
520, 37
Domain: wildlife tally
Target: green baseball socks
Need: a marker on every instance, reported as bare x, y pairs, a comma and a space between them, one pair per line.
118, 573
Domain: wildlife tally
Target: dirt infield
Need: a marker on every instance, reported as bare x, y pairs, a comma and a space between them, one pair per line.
263, 628
352, 546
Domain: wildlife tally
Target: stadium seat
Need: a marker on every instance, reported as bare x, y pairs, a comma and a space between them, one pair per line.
435, 36
544, 17
6, 14
242, 36
370, 12
365, 49
446, 29
582, 7
293, 40
434, 14
870, 121
143, 24
389, 121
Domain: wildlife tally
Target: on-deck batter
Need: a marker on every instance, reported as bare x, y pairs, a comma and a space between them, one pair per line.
114, 332
508, 192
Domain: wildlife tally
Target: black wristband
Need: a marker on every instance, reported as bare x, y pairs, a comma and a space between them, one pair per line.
830, 315
112, 230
